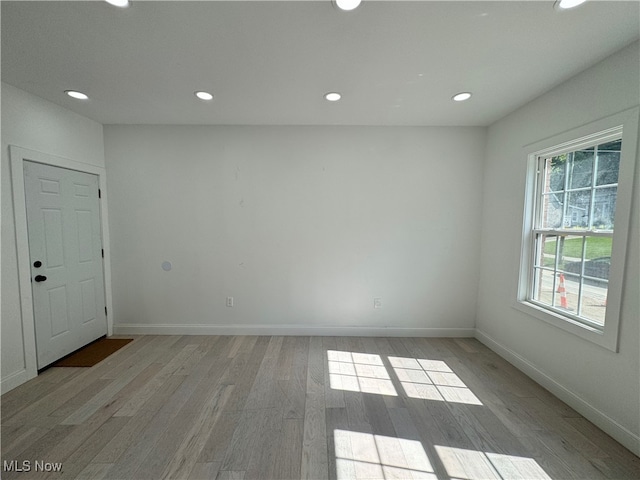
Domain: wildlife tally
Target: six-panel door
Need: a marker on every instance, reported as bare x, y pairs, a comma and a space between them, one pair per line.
63, 219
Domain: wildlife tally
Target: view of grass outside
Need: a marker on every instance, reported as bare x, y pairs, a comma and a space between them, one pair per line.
596, 247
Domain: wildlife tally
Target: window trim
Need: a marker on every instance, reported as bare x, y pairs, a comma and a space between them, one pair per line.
608, 127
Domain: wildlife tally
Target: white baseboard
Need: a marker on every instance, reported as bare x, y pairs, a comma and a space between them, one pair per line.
14, 379
310, 330
591, 413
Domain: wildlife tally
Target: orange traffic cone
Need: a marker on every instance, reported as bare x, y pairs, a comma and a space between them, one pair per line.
563, 292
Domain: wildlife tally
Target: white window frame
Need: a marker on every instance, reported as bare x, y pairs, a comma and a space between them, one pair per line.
599, 131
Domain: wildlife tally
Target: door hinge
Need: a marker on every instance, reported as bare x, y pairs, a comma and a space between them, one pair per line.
105, 310
103, 253
99, 194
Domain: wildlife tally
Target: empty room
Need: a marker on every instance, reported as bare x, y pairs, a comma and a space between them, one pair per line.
322, 239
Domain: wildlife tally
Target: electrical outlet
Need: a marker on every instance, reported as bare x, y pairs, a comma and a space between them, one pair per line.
229, 301
377, 303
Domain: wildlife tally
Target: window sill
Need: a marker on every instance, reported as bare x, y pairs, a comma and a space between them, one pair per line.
603, 338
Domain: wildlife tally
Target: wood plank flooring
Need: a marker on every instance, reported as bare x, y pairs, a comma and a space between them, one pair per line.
247, 407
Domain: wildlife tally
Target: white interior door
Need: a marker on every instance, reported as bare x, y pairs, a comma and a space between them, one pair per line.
65, 248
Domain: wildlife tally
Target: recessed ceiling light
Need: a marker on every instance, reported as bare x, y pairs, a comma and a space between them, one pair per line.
461, 97
332, 96
347, 5
565, 4
119, 3
204, 95
77, 95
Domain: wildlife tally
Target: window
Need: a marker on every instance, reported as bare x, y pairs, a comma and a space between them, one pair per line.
573, 229
578, 204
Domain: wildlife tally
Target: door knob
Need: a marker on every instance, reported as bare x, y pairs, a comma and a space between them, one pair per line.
40, 278
37, 264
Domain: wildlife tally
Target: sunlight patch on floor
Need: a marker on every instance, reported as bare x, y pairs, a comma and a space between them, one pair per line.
364, 455
431, 380
462, 464
359, 372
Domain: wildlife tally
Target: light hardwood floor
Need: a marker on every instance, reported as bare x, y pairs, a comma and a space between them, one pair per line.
208, 407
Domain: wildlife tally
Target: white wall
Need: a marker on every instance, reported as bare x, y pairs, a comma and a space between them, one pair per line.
603, 385
303, 226
33, 123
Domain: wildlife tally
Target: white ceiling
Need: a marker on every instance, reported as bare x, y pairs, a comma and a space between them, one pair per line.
270, 62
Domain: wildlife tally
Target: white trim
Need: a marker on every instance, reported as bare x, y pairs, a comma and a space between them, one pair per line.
24, 273
605, 128
599, 136
13, 380
327, 331
620, 433
18, 156
567, 324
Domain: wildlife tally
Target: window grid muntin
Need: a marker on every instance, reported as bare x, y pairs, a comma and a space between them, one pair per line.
538, 267
567, 193
593, 194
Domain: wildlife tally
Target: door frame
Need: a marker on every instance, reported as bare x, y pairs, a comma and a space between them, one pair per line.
18, 156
